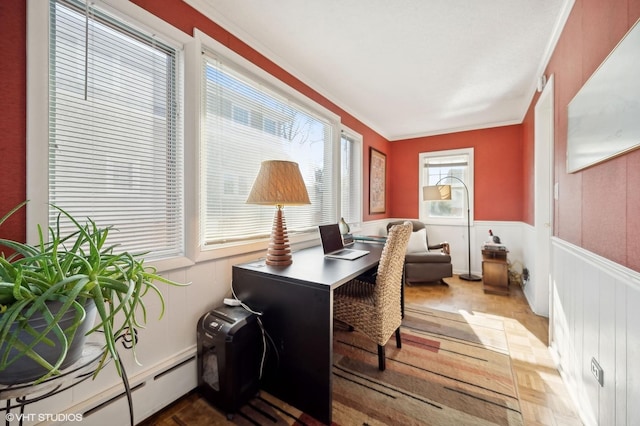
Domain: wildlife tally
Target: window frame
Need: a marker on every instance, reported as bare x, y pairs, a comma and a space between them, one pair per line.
38, 109
190, 46
202, 41
423, 207
357, 141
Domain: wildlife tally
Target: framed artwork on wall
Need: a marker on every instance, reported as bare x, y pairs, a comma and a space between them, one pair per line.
377, 181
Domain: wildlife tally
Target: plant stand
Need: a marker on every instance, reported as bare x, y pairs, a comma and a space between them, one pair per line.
27, 393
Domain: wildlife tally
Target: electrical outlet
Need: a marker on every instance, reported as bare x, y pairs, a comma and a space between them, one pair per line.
597, 372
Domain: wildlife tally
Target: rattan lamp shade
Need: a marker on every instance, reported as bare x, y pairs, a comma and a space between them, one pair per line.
279, 183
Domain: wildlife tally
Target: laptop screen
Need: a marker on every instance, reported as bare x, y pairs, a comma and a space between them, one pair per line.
330, 237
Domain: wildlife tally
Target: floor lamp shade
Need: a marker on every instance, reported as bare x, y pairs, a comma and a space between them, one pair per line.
279, 183
442, 193
436, 193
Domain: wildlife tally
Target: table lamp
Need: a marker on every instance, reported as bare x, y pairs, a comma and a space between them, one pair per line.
443, 193
279, 183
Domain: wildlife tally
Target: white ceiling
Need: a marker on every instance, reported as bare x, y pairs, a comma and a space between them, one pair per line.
406, 68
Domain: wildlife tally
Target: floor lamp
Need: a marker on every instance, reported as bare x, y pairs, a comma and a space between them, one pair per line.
279, 183
443, 193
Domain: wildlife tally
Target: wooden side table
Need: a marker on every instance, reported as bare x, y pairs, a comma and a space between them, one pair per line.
495, 271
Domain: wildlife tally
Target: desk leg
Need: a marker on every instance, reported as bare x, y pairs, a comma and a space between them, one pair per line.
299, 319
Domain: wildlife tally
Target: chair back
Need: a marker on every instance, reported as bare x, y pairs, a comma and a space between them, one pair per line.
416, 225
389, 279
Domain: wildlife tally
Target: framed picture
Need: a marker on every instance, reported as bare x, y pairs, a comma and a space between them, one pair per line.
377, 181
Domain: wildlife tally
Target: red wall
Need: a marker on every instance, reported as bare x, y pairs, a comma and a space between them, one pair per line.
498, 179
528, 158
12, 116
597, 207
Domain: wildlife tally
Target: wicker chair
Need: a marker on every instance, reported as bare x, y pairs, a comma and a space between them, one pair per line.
374, 309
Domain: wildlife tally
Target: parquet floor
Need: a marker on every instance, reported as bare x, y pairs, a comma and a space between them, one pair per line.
542, 394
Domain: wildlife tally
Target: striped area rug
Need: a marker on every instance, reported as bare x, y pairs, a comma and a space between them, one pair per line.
452, 369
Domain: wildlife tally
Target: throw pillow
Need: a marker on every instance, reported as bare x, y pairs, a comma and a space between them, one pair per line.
418, 242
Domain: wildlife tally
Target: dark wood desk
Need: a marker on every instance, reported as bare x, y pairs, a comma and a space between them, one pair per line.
297, 306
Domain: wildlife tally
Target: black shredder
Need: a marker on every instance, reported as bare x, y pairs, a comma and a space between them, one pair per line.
229, 353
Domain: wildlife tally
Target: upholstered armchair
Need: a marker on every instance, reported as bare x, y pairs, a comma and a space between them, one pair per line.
425, 262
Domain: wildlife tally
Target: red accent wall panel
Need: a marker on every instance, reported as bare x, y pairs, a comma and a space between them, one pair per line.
597, 207
528, 167
634, 12
568, 55
13, 68
604, 214
633, 209
498, 171
604, 23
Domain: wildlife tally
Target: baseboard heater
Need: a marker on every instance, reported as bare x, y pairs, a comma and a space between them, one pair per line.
112, 400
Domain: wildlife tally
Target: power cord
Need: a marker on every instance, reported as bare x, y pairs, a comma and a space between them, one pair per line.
237, 302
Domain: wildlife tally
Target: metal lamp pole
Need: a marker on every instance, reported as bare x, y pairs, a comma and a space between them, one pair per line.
469, 276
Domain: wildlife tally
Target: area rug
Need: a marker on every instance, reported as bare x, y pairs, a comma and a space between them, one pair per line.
452, 369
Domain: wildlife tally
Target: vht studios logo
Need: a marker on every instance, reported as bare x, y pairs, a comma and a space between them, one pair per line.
42, 417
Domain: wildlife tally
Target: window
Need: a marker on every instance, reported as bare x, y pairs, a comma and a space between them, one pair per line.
240, 115
114, 134
435, 167
245, 121
350, 177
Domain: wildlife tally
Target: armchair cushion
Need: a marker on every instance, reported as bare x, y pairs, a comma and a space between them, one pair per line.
418, 242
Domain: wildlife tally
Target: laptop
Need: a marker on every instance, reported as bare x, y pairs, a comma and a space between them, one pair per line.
333, 246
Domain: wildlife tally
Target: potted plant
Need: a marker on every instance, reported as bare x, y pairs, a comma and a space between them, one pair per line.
50, 294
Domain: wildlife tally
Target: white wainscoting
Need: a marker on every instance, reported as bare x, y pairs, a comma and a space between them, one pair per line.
536, 289
595, 314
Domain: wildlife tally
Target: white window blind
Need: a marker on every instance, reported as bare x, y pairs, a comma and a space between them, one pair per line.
350, 177
115, 152
244, 122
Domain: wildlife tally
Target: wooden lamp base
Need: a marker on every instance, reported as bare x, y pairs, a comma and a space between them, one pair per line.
279, 252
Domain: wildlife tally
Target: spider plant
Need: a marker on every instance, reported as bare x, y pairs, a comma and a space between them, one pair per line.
73, 270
